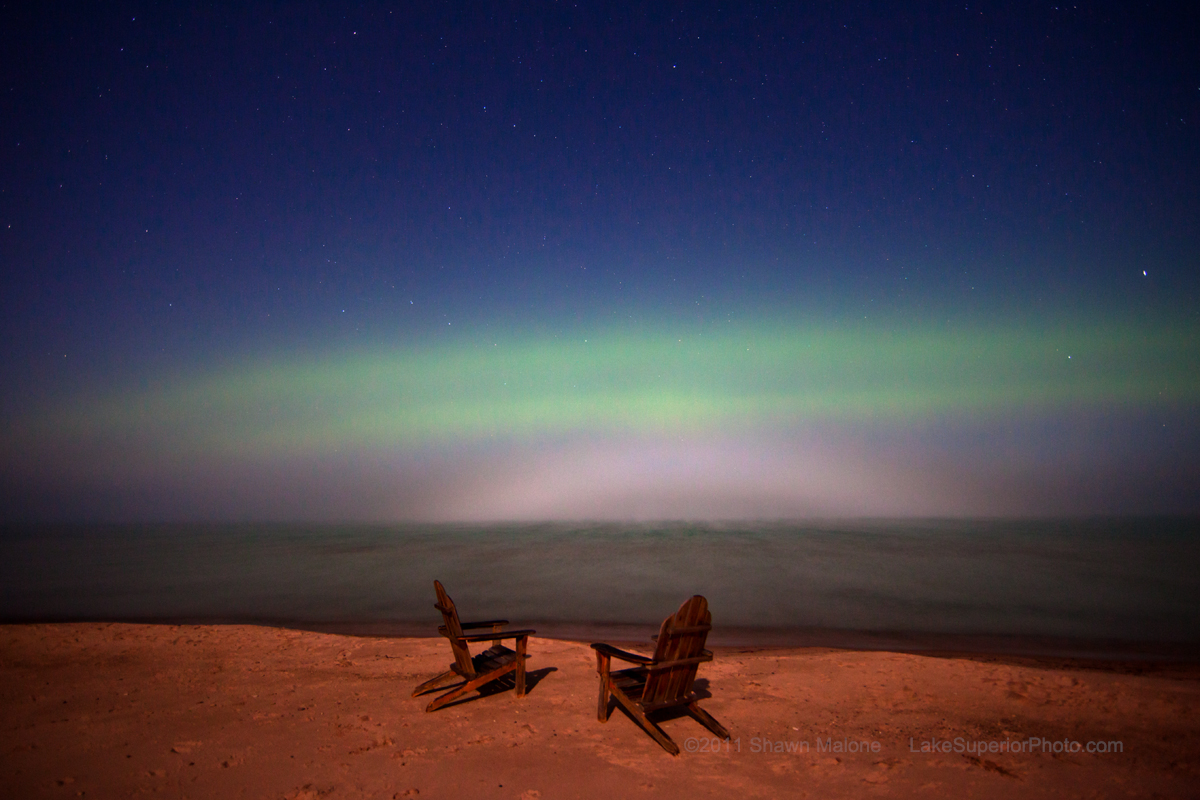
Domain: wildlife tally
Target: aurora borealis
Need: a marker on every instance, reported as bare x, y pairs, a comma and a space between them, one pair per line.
649, 384
604, 264
761, 418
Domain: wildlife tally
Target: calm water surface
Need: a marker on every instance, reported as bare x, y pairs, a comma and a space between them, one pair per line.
1099, 585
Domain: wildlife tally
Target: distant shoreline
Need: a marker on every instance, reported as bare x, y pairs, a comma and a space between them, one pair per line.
1143, 653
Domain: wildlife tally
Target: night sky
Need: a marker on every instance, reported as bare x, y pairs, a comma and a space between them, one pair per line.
578, 261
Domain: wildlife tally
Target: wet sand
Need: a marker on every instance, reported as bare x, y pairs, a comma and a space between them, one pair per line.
117, 710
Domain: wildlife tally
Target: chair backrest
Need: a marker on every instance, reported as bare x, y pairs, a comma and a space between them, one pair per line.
452, 630
681, 638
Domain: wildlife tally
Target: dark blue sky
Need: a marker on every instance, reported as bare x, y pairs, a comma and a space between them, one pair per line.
182, 186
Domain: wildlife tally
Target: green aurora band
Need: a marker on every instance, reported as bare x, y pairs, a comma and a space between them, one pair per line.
684, 383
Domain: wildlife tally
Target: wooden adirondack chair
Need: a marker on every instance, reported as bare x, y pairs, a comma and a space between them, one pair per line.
493, 663
664, 681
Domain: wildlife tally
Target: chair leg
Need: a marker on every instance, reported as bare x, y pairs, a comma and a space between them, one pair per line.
453, 694
432, 682
603, 663
475, 683
521, 666
602, 703
706, 719
657, 733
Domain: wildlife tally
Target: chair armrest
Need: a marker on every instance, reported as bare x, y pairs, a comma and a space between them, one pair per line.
491, 623
492, 637
624, 655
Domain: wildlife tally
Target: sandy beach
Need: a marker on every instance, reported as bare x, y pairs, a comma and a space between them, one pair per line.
119, 710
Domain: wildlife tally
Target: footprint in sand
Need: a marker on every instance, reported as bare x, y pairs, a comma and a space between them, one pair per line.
880, 770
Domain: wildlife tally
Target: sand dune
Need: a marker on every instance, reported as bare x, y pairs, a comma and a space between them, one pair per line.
114, 710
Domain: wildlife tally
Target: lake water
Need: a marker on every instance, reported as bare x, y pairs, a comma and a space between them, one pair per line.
1095, 587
